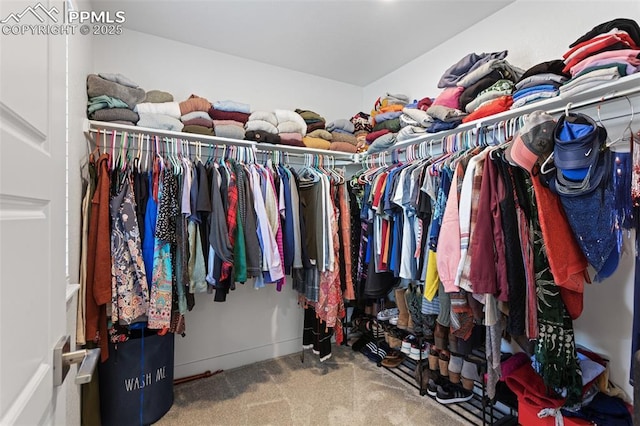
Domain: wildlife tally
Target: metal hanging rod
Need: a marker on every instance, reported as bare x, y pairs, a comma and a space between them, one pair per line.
619, 89
103, 127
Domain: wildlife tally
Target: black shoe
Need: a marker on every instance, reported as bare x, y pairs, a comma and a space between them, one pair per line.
433, 385
452, 394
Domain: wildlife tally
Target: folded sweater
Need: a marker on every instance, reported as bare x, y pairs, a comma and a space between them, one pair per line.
195, 114
392, 125
202, 130
341, 124
292, 127
495, 106
343, 147
322, 134
199, 121
114, 114
194, 103
104, 101
160, 121
97, 86
158, 96
231, 106
229, 131
262, 136
264, 116
172, 109
309, 115
344, 137
291, 139
119, 78
260, 125
226, 115
227, 123
421, 117
315, 143
318, 125
283, 115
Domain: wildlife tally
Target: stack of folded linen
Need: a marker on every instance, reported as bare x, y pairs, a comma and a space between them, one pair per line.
342, 131
539, 82
229, 118
606, 53
197, 122
291, 127
164, 115
386, 112
112, 97
414, 120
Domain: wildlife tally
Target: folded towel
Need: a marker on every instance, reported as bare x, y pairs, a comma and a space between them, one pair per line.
202, 130
194, 103
195, 114
158, 96
291, 127
260, 125
264, 116
318, 125
226, 115
172, 109
97, 86
315, 143
160, 121
343, 147
227, 123
341, 124
283, 115
199, 121
231, 106
421, 117
344, 137
115, 114
120, 79
382, 143
262, 136
104, 101
229, 131
322, 134
291, 139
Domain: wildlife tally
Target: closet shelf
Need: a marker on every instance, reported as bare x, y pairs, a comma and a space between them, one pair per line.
93, 126
624, 87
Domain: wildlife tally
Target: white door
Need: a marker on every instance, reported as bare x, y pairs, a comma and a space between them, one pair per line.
32, 214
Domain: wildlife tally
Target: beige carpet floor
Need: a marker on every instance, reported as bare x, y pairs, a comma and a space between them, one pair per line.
347, 389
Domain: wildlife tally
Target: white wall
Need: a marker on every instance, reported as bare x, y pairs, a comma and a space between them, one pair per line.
253, 324
534, 32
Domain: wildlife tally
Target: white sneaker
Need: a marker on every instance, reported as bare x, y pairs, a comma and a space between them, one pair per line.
386, 314
393, 320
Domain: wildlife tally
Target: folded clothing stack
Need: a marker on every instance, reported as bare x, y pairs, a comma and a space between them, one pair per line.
291, 127
197, 122
314, 120
229, 118
164, 115
478, 84
342, 135
387, 110
112, 97
606, 53
414, 120
362, 127
539, 82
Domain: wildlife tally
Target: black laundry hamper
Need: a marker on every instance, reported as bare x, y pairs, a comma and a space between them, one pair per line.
136, 382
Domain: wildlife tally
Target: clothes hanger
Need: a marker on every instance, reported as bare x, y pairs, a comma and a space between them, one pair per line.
627, 128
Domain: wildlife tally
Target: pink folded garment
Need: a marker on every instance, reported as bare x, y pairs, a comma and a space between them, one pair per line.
199, 121
291, 139
227, 123
596, 60
450, 97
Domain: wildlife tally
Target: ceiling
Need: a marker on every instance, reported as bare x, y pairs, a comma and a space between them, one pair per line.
353, 41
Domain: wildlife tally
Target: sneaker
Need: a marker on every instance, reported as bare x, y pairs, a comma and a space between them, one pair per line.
407, 342
452, 394
394, 320
432, 385
418, 352
387, 314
